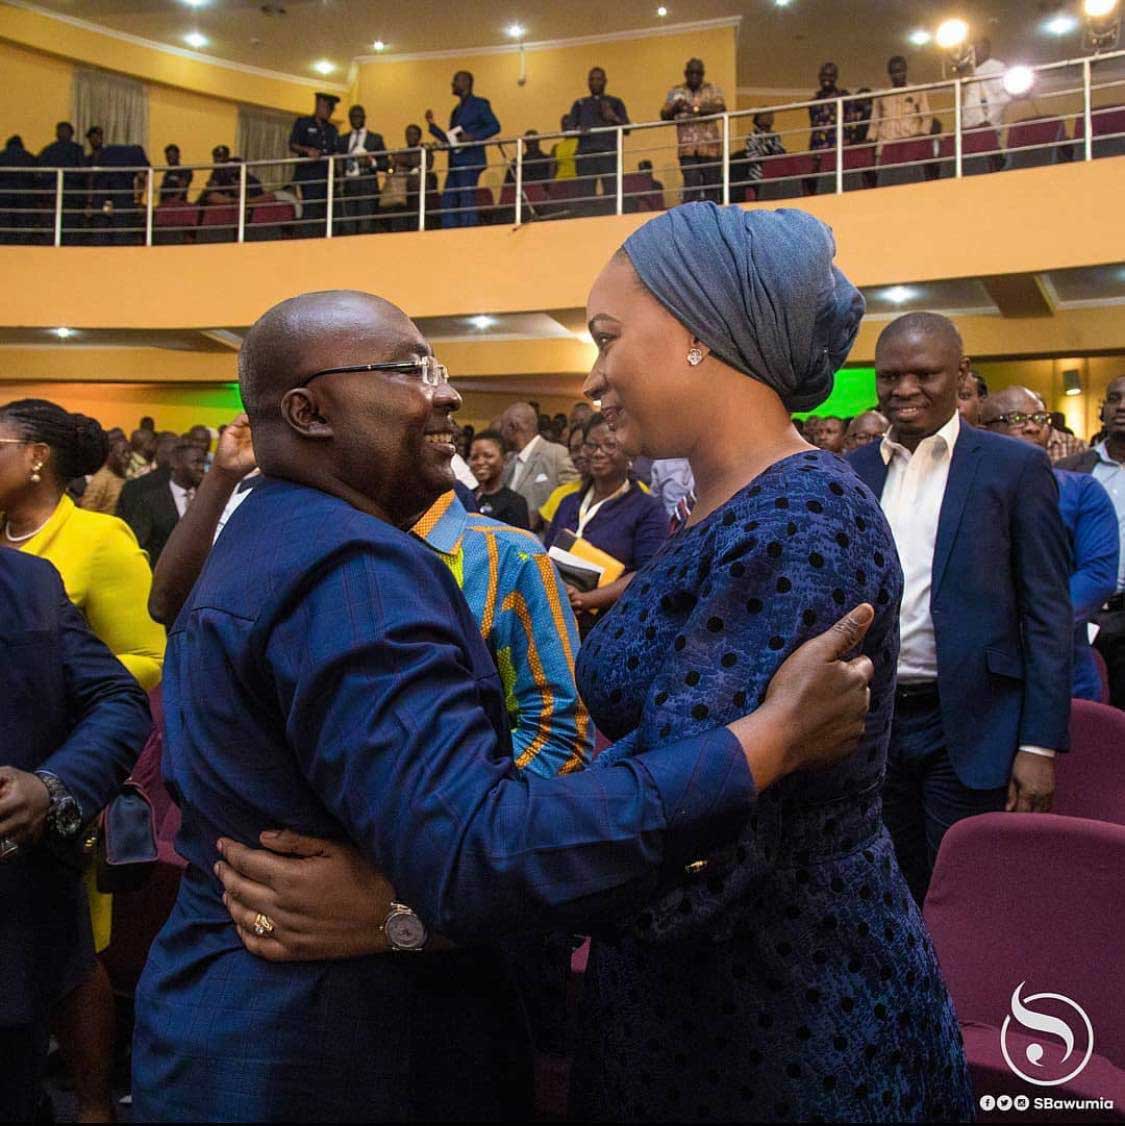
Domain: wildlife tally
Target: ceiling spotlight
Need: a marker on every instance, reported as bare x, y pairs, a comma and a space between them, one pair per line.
1095, 9
1062, 24
323, 66
782, 3
898, 294
1072, 382
1103, 25
920, 37
194, 39
378, 45
662, 11
63, 333
195, 3
1018, 80
952, 33
517, 31
482, 322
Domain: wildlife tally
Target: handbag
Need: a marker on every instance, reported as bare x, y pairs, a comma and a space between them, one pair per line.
126, 848
394, 192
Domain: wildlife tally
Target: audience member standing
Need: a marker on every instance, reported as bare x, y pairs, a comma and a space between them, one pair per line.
971, 394
1088, 516
65, 152
984, 670
537, 467
700, 142
361, 182
597, 152
1106, 461
564, 154
822, 117
142, 454
486, 459
761, 142
1062, 441
115, 183
471, 122
614, 514
154, 507
898, 116
870, 426
315, 137
104, 488
18, 201
176, 181
984, 96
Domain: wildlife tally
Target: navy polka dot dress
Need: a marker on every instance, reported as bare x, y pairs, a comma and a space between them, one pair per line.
789, 977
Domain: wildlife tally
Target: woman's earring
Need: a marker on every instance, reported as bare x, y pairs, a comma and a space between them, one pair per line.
35, 478
695, 356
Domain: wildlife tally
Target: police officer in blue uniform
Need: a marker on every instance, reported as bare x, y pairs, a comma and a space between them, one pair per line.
315, 136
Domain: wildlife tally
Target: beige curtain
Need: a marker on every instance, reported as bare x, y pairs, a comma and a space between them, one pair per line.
118, 105
264, 135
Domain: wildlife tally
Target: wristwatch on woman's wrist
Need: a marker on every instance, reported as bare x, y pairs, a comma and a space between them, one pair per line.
64, 817
404, 930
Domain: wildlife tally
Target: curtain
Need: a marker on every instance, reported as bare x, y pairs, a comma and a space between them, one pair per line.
264, 135
118, 105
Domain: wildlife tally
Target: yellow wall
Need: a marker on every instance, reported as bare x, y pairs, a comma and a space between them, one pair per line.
196, 123
36, 94
640, 71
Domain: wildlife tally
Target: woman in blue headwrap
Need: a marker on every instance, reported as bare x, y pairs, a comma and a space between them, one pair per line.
789, 977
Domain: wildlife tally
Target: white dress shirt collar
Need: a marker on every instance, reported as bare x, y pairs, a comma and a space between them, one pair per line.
945, 439
529, 449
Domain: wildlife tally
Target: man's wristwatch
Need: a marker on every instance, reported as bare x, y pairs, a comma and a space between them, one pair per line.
404, 930
64, 817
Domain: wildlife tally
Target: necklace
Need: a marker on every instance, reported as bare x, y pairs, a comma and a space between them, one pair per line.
23, 539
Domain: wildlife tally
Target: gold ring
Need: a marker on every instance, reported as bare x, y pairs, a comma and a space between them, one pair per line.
263, 924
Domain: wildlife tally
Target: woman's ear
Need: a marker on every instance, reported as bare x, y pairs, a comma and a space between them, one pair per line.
300, 410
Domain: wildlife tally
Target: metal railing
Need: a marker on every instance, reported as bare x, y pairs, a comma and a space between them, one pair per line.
820, 146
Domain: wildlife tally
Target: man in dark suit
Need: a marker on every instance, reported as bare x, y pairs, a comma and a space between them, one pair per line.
112, 202
471, 121
360, 183
984, 672
71, 725
65, 152
153, 504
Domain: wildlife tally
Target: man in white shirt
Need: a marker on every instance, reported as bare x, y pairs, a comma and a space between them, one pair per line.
984, 667
360, 184
983, 96
537, 467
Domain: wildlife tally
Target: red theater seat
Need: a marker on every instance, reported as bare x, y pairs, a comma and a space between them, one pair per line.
1090, 778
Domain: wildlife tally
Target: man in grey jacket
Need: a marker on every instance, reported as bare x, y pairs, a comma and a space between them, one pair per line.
537, 467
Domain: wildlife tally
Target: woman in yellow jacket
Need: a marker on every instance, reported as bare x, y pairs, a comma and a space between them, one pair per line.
107, 576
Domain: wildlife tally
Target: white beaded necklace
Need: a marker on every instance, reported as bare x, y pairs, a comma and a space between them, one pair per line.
23, 539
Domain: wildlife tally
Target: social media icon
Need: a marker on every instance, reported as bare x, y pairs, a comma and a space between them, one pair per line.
1004, 1102
1033, 1054
1021, 1102
987, 1102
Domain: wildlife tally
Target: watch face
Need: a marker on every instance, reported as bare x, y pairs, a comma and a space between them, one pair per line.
67, 818
405, 931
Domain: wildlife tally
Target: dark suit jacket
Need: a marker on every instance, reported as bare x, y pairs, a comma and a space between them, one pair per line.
476, 118
70, 707
373, 142
1000, 602
146, 504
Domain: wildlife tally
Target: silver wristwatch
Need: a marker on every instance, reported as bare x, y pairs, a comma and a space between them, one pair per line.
64, 816
404, 930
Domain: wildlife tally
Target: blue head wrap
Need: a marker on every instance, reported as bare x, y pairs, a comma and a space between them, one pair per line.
758, 288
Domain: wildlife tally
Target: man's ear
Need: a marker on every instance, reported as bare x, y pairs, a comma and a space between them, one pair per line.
964, 367
300, 410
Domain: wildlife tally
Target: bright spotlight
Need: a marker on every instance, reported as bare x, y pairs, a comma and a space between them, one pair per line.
517, 31
920, 37
1096, 9
952, 33
898, 294
323, 66
1060, 25
661, 11
378, 45
194, 39
63, 333
482, 322
1018, 80
1103, 25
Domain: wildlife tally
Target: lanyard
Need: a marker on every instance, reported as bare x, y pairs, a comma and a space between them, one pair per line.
588, 510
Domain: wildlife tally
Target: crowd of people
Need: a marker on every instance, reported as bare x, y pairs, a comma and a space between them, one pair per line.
377, 187
684, 673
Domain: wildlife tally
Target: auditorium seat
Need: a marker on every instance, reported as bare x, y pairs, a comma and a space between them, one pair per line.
903, 162
218, 223
638, 193
1103, 675
782, 176
1035, 142
1108, 124
173, 223
485, 205
1032, 902
857, 160
269, 218
1090, 778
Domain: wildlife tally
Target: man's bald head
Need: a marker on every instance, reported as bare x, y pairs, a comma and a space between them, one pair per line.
519, 424
1017, 412
932, 325
331, 328
1007, 400
865, 428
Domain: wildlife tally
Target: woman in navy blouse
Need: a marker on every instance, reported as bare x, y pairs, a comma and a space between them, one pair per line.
612, 512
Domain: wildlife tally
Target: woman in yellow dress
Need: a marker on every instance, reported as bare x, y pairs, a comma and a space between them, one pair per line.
107, 576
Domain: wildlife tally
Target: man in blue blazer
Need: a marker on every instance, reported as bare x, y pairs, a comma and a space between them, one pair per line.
72, 720
984, 672
471, 122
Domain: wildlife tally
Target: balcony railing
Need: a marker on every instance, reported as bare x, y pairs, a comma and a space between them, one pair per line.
1074, 111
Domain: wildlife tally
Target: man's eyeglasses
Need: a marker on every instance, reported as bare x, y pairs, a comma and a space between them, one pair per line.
1018, 418
427, 369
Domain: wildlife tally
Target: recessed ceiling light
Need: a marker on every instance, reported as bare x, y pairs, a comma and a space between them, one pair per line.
482, 322
63, 333
323, 66
898, 294
662, 11
1096, 8
1018, 80
194, 39
920, 37
952, 33
1062, 24
195, 3
782, 3
378, 45
516, 31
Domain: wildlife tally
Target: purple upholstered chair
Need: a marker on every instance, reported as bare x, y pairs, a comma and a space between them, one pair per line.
1090, 778
1023, 905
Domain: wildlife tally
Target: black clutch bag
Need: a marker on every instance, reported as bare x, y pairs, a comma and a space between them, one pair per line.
126, 848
